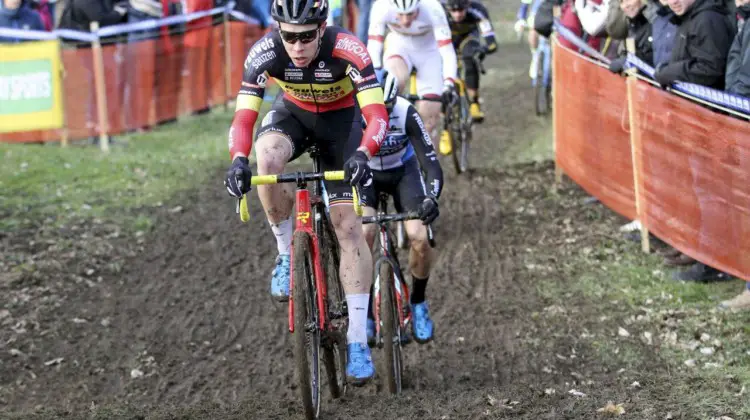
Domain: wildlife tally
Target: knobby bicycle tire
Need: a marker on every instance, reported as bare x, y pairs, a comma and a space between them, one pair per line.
306, 332
541, 92
334, 349
390, 330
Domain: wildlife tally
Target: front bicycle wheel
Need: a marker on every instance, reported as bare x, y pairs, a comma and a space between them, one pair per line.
456, 131
334, 347
306, 331
390, 329
466, 134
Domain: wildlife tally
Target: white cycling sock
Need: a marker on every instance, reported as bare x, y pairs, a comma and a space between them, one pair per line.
283, 231
357, 305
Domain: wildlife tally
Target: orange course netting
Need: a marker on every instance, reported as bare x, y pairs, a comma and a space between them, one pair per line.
592, 133
693, 162
149, 82
695, 188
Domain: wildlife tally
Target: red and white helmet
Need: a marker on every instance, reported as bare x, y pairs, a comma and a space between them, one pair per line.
405, 6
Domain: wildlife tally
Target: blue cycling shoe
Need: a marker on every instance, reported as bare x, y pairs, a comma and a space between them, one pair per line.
422, 323
359, 366
280, 278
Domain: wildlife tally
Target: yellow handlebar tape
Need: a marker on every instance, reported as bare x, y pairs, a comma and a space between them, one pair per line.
356, 203
244, 212
264, 179
333, 175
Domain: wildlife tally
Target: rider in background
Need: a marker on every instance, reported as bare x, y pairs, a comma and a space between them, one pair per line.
468, 19
396, 171
328, 85
420, 39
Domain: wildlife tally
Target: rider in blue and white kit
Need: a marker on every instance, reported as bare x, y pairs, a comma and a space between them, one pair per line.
397, 168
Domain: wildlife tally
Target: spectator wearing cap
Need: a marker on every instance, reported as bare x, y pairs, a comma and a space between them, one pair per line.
16, 14
704, 35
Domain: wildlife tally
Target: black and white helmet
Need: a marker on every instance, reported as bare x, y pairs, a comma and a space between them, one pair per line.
300, 12
390, 88
405, 6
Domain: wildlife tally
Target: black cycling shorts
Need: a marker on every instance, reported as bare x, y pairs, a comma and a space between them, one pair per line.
405, 184
337, 134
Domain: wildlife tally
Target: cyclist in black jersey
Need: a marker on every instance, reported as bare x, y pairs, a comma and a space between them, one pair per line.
396, 171
469, 20
328, 85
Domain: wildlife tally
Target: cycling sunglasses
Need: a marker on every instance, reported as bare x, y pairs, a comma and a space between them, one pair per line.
305, 37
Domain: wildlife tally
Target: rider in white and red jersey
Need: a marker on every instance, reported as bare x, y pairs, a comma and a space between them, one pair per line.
419, 38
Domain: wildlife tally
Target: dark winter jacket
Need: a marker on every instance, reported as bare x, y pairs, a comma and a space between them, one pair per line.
738, 63
640, 30
699, 55
79, 14
22, 18
662, 30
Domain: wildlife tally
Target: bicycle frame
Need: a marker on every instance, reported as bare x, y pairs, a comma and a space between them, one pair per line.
544, 53
388, 256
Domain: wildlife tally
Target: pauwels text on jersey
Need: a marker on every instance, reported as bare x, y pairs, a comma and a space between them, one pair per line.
260, 53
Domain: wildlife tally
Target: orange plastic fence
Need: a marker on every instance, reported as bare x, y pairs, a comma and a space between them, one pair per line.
695, 189
694, 163
149, 82
592, 138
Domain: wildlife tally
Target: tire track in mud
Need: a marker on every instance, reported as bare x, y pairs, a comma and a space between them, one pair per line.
193, 312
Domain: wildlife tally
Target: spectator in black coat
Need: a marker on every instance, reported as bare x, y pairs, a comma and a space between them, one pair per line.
640, 30
700, 51
79, 14
738, 63
16, 14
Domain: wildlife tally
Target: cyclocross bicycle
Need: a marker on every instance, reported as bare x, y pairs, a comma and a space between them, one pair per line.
391, 307
318, 315
540, 71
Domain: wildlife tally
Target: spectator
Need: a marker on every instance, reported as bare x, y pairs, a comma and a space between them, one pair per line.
663, 31
617, 23
142, 10
79, 14
640, 30
738, 63
45, 10
16, 14
569, 19
704, 35
593, 15
255, 9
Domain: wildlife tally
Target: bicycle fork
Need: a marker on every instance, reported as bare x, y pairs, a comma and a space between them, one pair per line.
401, 295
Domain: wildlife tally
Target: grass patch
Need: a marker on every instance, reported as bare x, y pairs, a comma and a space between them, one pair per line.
55, 185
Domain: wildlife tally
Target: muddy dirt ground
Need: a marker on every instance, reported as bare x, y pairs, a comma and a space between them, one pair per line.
178, 323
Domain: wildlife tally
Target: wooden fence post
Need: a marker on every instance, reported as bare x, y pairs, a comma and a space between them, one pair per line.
101, 89
227, 62
555, 95
64, 134
636, 150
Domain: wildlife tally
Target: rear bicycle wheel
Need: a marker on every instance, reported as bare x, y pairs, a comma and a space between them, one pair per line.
390, 330
306, 332
541, 93
334, 347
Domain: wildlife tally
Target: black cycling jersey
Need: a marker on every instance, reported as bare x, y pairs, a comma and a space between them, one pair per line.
477, 22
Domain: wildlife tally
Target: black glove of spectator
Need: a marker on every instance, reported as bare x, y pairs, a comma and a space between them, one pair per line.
238, 177
617, 65
662, 79
428, 210
356, 170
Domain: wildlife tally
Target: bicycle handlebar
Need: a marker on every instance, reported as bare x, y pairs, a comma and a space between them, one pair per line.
386, 218
296, 177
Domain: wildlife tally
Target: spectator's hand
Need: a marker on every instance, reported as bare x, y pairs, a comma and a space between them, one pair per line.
661, 78
617, 65
121, 8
